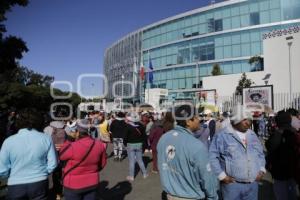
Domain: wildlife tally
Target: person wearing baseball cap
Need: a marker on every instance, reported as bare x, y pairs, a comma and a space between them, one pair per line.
237, 158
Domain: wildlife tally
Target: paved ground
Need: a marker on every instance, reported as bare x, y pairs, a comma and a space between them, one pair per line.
114, 186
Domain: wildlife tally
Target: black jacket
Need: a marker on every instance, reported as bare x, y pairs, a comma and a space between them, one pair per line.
281, 155
136, 134
118, 128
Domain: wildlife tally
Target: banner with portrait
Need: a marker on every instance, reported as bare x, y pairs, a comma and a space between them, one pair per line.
258, 98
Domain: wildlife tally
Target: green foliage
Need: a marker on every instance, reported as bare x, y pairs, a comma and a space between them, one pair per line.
244, 82
216, 70
21, 87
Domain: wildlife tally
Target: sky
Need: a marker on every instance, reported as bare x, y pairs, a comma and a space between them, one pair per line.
67, 38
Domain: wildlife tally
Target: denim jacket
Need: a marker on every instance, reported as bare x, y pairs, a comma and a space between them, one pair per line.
228, 156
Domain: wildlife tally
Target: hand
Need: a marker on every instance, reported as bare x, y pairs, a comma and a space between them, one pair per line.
259, 176
227, 180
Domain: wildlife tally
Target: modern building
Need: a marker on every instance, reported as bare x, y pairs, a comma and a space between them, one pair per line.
184, 48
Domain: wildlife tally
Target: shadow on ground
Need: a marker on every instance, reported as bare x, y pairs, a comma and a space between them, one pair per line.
117, 192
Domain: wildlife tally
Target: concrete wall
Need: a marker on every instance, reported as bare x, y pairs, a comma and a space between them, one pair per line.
276, 52
226, 84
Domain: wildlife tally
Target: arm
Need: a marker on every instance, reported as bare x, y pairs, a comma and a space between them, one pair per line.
5, 164
215, 150
102, 160
261, 156
51, 158
207, 180
66, 151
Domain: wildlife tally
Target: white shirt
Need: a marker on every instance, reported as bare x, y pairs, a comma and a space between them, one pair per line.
242, 136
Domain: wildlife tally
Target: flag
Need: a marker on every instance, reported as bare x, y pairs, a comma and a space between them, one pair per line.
142, 73
150, 75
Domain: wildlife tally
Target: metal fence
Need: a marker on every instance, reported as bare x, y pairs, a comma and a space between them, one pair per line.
280, 101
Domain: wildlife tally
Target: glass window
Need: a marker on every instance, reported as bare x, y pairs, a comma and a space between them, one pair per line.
187, 21
264, 17
226, 23
276, 4
255, 48
227, 51
169, 84
189, 72
182, 83
236, 22
169, 37
275, 15
226, 12
163, 61
189, 83
244, 9
211, 52
169, 60
245, 37
255, 36
245, 20
254, 7
236, 67
195, 53
219, 25
203, 71
183, 56
236, 39
227, 40
219, 52
236, 50
218, 14
235, 11
227, 68
210, 25
169, 74
254, 18
194, 20
218, 41
245, 49
245, 67
201, 18
175, 84
264, 5
202, 28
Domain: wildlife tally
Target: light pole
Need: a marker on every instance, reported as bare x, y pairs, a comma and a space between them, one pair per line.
122, 92
93, 91
290, 69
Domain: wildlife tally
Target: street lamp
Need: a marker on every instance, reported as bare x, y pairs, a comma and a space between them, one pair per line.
122, 92
290, 42
93, 91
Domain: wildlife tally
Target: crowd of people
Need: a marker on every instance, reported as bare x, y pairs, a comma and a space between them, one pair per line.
197, 155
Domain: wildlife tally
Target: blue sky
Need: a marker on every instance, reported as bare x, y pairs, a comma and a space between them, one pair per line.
67, 38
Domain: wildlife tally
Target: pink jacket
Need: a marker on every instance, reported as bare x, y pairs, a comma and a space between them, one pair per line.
86, 175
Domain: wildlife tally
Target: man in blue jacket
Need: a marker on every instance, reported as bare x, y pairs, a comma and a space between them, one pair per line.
183, 161
27, 158
237, 158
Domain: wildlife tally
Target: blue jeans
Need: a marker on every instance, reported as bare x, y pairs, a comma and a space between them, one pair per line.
135, 153
89, 195
118, 147
240, 191
34, 191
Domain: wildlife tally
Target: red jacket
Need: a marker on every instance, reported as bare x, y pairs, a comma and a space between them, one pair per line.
86, 175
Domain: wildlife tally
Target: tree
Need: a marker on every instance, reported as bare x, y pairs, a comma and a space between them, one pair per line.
11, 48
244, 82
216, 70
258, 63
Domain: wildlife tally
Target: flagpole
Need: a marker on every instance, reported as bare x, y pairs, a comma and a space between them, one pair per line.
148, 73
